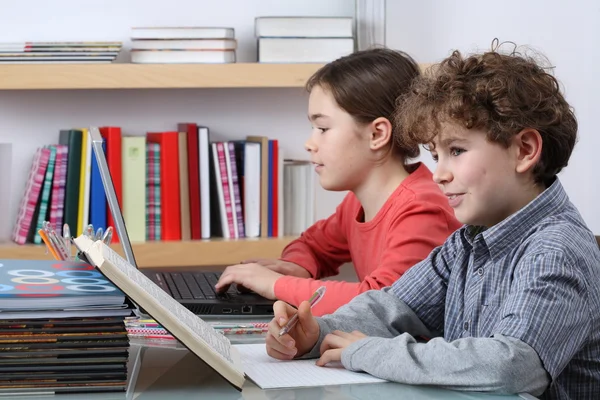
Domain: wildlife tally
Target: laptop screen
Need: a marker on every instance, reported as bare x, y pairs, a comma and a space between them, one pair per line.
111, 195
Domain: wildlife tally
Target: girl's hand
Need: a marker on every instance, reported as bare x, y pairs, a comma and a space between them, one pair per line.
253, 277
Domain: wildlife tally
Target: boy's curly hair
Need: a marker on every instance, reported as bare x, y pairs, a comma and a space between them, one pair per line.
501, 94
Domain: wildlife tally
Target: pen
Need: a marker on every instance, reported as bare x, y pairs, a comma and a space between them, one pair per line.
67, 240
314, 299
107, 238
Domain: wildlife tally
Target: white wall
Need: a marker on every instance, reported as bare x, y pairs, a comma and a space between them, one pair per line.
568, 33
34, 118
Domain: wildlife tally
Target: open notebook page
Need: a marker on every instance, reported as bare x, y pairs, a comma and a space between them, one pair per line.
269, 373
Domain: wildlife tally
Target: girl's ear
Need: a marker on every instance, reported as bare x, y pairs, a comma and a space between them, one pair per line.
381, 133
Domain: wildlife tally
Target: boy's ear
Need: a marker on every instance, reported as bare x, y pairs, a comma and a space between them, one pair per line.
381, 133
528, 144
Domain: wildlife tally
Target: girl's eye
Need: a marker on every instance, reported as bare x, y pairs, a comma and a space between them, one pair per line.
455, 151
323, 130
435, 157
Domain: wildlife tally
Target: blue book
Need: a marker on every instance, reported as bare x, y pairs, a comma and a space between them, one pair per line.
97, 196
50, 284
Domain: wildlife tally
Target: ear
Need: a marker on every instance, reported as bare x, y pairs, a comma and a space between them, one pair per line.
381, 133
528, 145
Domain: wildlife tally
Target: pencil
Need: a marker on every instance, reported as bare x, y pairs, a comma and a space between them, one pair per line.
49, 245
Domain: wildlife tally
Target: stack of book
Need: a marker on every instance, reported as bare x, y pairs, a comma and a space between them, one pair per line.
303, 39
62, 329
174, 185
184, 45
59, 52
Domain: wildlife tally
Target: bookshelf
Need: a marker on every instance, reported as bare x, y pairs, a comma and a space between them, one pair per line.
161, 76
154, 76
175, 254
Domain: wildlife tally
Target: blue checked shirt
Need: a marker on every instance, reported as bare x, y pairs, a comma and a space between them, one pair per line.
534, 277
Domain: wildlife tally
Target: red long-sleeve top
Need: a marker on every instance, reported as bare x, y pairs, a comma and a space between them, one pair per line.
414, 220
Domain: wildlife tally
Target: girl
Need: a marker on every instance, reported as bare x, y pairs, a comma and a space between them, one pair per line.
393, 215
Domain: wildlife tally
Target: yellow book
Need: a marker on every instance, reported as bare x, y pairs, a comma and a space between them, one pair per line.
134, 186
84, 182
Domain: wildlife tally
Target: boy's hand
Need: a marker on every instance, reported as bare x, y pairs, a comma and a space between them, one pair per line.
334, 343
282, 267
253, 277
299, 340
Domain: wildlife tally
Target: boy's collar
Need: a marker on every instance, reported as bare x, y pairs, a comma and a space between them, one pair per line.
501, 237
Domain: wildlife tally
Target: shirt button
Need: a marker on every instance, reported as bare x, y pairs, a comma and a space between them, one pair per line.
466, 326
480, 272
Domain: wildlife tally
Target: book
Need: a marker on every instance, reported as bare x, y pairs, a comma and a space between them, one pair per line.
304, 27
184, 188
191, 32
72, 138
184, 44
134, 186
194, 333
193, 176
182, 56
169, 183
58, 188
264, 181
114, 159
204, 171
303, 50
48, 284
29, 201
44, 198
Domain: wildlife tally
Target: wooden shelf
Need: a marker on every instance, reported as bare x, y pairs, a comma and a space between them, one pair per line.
175, 254
153, 76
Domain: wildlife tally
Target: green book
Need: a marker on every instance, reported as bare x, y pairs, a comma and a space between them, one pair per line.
73, 139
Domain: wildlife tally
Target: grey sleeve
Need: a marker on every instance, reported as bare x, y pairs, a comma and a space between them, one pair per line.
499, 364
375, 313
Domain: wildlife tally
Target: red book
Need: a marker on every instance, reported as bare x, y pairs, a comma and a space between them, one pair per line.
169, 188
112, 137
193, 177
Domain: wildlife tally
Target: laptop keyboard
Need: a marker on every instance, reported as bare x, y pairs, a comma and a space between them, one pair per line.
196, 285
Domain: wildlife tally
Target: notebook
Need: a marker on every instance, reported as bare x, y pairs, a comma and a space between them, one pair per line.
270, 373
193, 289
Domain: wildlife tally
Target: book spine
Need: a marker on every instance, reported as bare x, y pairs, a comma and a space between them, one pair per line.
184, 188
193, 167
45, 196
236, 189
31, 195
58, 188
225, 186
112, 136
153, 231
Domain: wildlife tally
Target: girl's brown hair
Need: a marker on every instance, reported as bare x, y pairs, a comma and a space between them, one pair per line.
501, 94
366, 84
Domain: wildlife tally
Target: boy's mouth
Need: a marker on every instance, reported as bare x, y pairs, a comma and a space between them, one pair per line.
454, 199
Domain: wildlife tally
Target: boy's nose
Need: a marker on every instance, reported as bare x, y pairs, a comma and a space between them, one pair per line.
441, 174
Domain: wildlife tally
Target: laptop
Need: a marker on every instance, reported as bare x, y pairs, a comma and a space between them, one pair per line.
193, 289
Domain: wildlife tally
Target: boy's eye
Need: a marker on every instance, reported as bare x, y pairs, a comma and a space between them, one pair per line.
323, 130
434, 156
455, 151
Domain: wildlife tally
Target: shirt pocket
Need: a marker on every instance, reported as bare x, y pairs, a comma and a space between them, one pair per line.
491, 314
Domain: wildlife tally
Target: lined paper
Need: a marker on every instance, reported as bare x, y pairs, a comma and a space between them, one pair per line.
269, 373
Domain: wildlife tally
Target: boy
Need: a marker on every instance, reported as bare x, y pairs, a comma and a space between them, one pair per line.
511, 301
